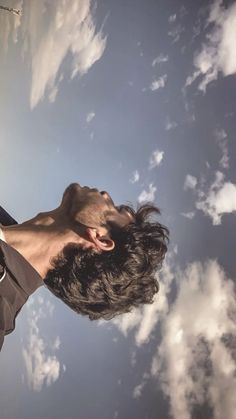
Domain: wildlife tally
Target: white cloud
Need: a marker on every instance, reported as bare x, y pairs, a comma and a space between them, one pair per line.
156, 159
5, 28
56, 343
41, 368
159, 83
219, 199
218, 54
50, 307
137, 392
126, 322
193, 363
169, 125
161, 58
53, 94
147, 195
17, 21
191, 79
175, 33
190, 182
192, 337
172, 18
221, 138
10, 24
135, 177
133, 358
69, 30
90, 116
189, 215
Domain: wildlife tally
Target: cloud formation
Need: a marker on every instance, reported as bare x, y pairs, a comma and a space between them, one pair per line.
221, 138
90, 116
217, 53
169, 125
69, 31
159, 83
172, 18
190, 182
156, 159
135, 177
41, 367
138, 389
219, 199
189, 215
10, 24
147, 195
161, 58
175, 33
195, 362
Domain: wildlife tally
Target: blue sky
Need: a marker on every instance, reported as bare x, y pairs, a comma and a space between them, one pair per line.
136, 98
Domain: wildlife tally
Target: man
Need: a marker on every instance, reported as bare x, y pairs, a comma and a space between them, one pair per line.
98, 258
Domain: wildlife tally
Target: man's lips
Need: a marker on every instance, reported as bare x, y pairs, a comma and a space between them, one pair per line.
91, 189
77, 185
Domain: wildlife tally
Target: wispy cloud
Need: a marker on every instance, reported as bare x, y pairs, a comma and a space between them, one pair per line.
90, 116
172, 18
42, 365
137, 391
218, 199
53, 94
159, 83
175, 33
147, 195
189, 215
9, 25
190, 182
194, 363
221, 138
217, 54
161, 58
156, 158
135, 177
169, 125
69, 31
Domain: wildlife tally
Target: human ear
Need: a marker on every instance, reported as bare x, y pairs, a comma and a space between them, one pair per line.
101, 239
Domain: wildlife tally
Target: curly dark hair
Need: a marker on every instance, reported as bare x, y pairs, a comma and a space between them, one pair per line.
104, 285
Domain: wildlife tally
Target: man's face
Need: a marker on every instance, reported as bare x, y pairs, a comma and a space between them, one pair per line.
92, 208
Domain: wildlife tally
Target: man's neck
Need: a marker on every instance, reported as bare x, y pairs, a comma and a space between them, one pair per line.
41, 239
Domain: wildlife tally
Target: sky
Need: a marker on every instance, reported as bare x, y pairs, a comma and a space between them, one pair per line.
136, 98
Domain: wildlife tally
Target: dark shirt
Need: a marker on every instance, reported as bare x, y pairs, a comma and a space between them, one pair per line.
19, 281
5, 218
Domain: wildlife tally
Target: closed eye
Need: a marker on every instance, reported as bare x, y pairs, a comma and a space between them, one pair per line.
126, 208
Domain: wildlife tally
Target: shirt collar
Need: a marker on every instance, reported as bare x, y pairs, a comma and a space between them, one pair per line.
2, 235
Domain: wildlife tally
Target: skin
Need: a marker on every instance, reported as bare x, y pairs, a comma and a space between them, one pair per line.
79, 219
